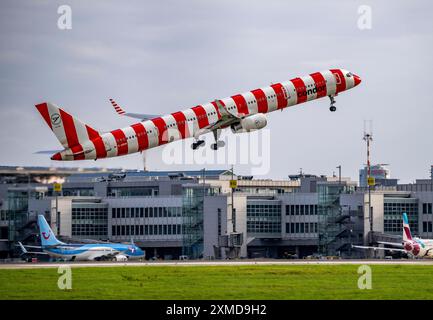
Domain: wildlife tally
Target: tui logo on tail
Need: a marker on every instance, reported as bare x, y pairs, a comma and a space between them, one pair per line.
46, 237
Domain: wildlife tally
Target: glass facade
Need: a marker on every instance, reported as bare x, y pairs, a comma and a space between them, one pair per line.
146, 212
78, 192
146, 230
90, 220
263, 218
427, 208
301, 227
301, 209
393, 209
192, 219
4, 215
329, 211
18, 203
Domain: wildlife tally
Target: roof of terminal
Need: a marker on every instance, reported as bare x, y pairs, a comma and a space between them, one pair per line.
97, 172
188, 173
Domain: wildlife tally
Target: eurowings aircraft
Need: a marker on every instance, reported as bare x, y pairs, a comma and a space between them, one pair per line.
243, 112
413, 246
95, 251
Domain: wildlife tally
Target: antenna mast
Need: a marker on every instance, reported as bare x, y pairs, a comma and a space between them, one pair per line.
368, 137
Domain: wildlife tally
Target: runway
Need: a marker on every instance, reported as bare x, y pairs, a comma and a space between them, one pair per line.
211, 263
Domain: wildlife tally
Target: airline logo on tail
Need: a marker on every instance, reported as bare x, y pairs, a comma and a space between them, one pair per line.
46, 237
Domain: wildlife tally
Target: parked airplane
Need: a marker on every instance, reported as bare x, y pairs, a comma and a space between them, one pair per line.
97, 251
242, 113
413, 246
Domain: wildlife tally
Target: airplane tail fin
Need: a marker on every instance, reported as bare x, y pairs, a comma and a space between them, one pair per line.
406, 228
47, 235
69, 130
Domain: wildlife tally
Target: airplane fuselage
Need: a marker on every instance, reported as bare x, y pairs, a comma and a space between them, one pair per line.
80, 252
89, 144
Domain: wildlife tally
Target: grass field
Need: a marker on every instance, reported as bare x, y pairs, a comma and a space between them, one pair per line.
221, 282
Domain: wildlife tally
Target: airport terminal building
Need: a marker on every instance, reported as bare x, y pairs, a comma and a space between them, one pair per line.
197, 214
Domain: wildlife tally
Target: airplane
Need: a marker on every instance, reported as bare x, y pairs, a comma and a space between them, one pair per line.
243, 112
413, 246
79, 252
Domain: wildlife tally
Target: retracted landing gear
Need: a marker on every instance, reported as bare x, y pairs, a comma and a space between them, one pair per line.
332, 108
197, 144
218, 143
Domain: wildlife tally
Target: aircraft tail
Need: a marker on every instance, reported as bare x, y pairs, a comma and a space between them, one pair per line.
47, 235
69, 130
406, 228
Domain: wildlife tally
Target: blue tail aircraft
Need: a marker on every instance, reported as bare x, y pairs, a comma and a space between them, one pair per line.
78, 252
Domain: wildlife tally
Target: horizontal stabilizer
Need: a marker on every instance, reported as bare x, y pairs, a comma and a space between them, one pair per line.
47, 151
378, 248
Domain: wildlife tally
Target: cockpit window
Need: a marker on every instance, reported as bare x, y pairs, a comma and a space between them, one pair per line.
349, 74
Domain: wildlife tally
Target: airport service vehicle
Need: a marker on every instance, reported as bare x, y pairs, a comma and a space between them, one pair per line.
243, 112
413, 246
77, 252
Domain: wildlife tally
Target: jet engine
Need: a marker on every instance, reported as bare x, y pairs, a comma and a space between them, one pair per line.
254, 122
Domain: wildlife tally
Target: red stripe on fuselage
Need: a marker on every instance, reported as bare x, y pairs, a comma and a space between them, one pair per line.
97, 142
201, 115
121, 141
140, 132
320, 83
241, 104
262, 102
301, 90
160, 125
69, 126
43, 110
281, 99
217, 109
79, 150
341, 86
181, 124
92, 133
71, 134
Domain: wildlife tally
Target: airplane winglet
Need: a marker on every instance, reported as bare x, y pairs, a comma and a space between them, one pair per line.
116, 107
122, 112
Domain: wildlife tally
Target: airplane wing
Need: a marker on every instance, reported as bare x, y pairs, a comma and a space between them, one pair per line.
394, 244
24, 250
379, 248
140, 116
33, 247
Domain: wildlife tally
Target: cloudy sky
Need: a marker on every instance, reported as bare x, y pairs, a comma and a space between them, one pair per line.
162, 56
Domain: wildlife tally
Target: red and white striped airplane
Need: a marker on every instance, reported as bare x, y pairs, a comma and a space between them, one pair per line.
242, 113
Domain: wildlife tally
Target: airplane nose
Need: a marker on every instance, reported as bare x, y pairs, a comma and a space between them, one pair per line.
57, 157
357, 79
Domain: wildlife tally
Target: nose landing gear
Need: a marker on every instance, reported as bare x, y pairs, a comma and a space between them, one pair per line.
332, 108
214, 146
